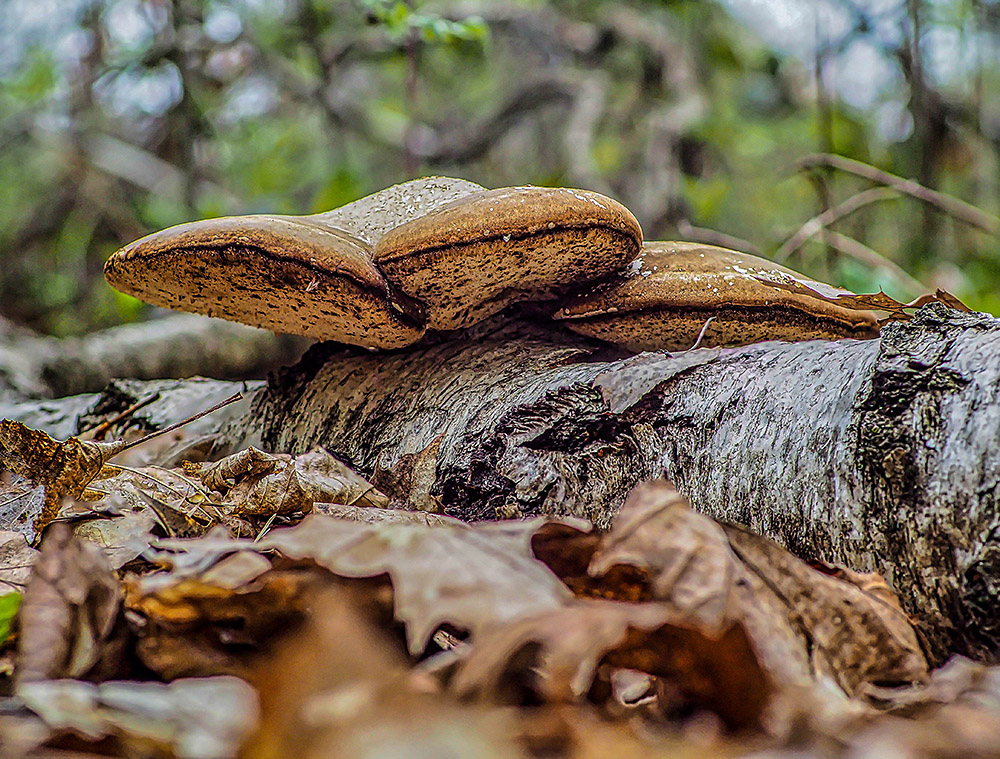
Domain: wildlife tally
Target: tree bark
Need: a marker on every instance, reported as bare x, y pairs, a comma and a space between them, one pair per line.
178, 345
881, 455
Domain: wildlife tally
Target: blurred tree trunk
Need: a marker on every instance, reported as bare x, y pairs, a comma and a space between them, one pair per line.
180, 345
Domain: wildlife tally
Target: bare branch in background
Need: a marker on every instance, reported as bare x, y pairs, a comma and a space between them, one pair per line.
471, 142
830, 216
870, 257
692, 233
945, 203
141, 168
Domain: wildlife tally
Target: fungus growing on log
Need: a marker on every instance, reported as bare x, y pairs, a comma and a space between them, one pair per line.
471, 258
443, 254
665, 297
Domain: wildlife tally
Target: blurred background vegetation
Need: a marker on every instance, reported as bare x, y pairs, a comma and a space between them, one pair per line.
119, 117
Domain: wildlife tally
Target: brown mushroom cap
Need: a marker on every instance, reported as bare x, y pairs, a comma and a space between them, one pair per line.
662, 301
286, 274
471, 258
370, 217
305, 275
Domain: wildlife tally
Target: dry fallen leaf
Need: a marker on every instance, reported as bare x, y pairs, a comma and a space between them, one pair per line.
555, 656
857, 638
65, 468
800, 621
122, 531
220, 620
253, 482
467, 576
16, 560
71, 617
205, 718
338, 689
871, 301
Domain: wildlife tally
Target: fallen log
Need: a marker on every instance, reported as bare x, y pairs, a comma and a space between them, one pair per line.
881, 455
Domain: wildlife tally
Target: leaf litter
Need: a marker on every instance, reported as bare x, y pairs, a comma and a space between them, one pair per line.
268, 605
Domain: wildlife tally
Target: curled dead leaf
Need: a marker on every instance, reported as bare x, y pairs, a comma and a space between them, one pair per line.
63, 468
71, 618
801, 622
556, 656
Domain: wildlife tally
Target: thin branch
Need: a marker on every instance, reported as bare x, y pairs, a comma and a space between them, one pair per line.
947, 204
231, 399
830, 216
861, 252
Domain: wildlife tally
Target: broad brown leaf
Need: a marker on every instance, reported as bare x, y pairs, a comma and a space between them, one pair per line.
556, 656
16, 560
467, 576
253, 482
800, 621
221, 619
65, 468
856, 637
339, 689
71, 618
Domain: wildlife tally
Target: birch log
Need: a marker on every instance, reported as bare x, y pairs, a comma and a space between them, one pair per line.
881, 455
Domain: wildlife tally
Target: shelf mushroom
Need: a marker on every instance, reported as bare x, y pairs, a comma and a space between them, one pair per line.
447, 254
475, 256
664, 298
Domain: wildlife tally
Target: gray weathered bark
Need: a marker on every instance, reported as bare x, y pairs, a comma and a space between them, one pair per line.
881, 455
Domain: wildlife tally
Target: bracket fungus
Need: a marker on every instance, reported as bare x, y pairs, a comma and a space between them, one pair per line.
471, 258
664, 298
442, 254
447, 253
285, 274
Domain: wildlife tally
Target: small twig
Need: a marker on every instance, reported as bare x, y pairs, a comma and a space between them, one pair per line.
188, 480
714, 237
96, 433
15, 497
948, 204
861, 252
831, 216
701, 334
266, 527
172, 427
19, 514
151, 478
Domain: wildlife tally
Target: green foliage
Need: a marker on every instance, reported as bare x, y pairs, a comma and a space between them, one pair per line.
35, 79
401, 20
676, 108
10, 603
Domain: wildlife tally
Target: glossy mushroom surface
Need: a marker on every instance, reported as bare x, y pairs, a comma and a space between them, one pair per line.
664, 298
303, 275
286, 274
473, 257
